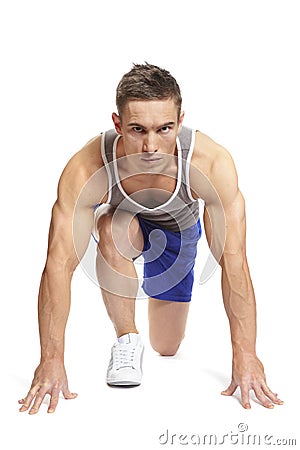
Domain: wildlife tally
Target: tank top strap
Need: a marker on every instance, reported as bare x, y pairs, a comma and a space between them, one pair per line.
187, 142
107, 149
107, 154
185, 138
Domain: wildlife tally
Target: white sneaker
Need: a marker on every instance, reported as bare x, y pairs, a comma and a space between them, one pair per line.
125, 366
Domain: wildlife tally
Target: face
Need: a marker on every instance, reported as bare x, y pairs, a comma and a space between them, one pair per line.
149, 129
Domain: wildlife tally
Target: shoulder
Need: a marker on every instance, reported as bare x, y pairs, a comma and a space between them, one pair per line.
82, 167
86, 161
212, 169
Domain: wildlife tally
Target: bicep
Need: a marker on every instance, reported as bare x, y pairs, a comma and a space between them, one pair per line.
215, 228
225, 227
69, 235
83, 184
69, 219
235, 226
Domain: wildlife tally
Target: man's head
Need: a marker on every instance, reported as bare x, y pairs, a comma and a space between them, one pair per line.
149, 107
147, 82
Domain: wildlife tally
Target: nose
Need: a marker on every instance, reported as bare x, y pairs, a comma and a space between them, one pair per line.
150, 143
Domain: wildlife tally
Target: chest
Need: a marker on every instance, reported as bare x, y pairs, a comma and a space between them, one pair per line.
149, 190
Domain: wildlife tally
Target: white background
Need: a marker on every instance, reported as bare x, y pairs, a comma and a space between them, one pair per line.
237, 63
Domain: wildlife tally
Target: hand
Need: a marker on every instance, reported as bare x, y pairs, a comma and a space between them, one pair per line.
248, 373
49, 378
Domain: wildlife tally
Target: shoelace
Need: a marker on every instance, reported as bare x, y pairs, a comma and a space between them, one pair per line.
123, 357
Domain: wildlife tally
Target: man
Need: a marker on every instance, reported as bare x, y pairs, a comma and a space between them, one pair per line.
136, 189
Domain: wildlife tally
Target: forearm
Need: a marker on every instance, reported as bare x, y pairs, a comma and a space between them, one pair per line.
53, 310
240, 306
228, 238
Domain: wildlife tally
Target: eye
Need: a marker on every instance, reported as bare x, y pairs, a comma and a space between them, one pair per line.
138, 129
165, 129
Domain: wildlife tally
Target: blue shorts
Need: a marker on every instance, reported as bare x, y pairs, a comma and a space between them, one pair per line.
169, 259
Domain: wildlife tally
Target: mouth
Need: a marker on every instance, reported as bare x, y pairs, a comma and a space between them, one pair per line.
151, 159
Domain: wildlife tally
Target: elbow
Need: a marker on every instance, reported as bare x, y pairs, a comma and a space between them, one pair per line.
235, 275
233, 262
62, 262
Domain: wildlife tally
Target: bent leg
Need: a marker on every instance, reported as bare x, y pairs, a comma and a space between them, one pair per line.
120, 240
167, 323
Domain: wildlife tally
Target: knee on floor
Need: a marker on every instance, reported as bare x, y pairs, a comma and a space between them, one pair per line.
165, 348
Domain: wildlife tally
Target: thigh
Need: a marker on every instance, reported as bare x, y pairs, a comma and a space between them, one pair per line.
167, 323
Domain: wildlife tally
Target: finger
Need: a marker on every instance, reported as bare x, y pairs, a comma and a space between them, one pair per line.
245, 396
231, 389
23, 408
53, 401
272, 396
37, 403
26, 402
265, 401
67, 394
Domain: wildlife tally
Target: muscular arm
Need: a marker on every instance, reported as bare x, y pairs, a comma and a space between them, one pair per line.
55, 287
54, 294
225, 227
237, 289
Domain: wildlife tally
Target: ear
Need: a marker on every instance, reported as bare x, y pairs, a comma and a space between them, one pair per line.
117, 122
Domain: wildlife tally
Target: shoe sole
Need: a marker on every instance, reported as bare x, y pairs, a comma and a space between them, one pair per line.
123, 383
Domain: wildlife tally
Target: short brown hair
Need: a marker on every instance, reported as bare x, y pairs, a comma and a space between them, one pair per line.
147, 82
